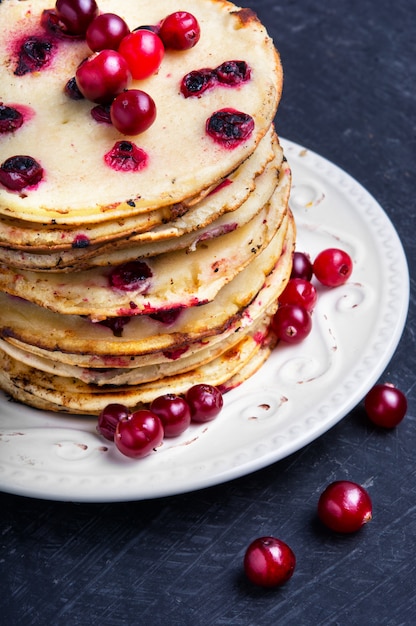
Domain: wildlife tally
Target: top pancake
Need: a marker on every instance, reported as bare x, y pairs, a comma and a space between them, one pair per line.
78, 187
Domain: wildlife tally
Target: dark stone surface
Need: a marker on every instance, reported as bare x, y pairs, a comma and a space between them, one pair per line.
350, 96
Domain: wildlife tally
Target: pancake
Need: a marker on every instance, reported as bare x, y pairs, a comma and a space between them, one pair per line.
235, 205
121, 284
180, 279
144, 340
20, 239
58, 393
91, 368
181, 159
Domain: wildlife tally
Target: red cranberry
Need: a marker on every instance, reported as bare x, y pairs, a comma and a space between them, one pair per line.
10, 119
299, 291
19, 172
116, 324
180, 31
302, 266
109, 418
386, 406
344, 506
269, 562
126, 157
291, 323
233, 72
332, 267
174, 413
76, 15
229, 127
106, 31
72, 90
34, 54
103, 76
132, 112
101, 113
205, 402
81, 241
131, 276
166, 317
196, 82
137, 435
143, 51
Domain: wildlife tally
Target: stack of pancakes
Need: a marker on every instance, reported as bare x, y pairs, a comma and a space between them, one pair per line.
119, 286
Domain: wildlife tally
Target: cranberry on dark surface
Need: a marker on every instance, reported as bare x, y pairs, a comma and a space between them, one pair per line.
233, 72
197, 81
229, 127
10, 119
34, 54
20, 171
125, 156
131, 276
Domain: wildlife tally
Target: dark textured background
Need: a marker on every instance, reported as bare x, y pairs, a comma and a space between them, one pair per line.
350, 96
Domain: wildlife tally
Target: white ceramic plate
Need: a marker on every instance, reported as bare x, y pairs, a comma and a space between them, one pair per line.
300, 392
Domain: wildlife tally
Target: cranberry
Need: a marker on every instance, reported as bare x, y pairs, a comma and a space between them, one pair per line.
229, 127
101, 113
20, 171
109, 418
34, 54
103, 76
76, 15
385, 405
132, 112
196, 82
205, 402
180, 31
269, 562
81, 241
299, 291
291, 323
168, 317
72, 90
131, 276
174, 413
332, 267
176, 353
143, 51
106, 31
126, 157
137, 435
233, 72
302, 266
344, 506
116, 324
10, 119
154, 28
